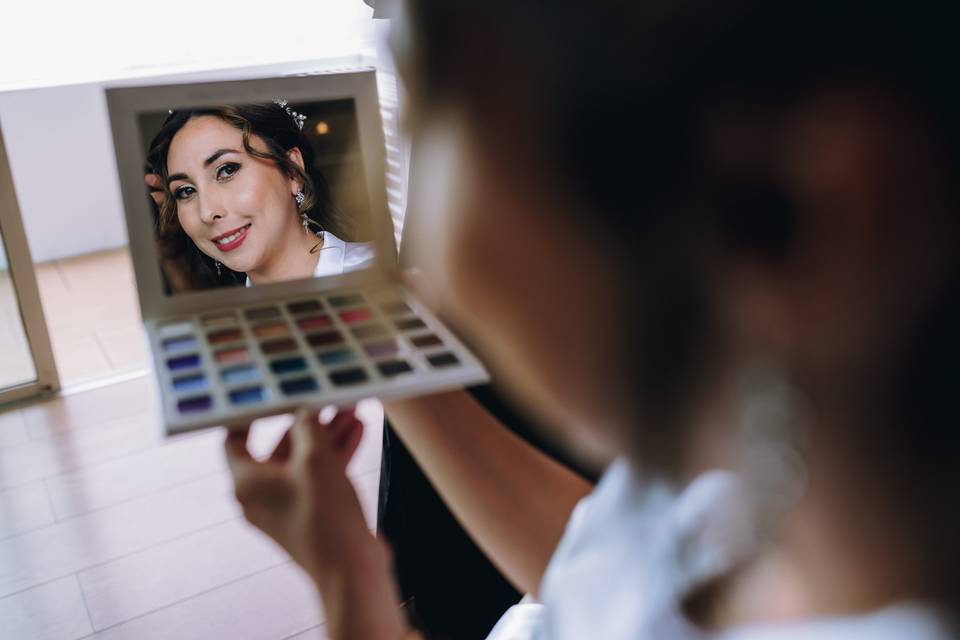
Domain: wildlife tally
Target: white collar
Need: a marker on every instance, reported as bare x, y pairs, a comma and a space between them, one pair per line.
332, 252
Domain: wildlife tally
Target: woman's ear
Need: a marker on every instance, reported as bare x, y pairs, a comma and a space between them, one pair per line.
294, 156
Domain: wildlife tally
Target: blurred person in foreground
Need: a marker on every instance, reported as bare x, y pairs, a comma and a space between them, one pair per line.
714, 245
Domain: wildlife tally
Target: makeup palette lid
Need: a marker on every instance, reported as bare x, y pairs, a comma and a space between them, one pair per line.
344, 151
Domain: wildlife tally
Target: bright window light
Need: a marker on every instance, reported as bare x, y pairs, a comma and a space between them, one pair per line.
58, 42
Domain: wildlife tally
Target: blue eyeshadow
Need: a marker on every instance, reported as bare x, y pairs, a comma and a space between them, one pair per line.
242, 373
196, 403
288, 365
194, 382
298, 385
180, 342
248, 395
184, 362
340, 356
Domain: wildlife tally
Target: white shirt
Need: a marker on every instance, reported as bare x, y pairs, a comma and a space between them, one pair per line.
338, 256
632, 551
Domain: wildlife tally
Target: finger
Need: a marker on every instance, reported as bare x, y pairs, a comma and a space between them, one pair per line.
348, 441
239, 460
282, 451
158, 197
235, 444
305, 432
153, 181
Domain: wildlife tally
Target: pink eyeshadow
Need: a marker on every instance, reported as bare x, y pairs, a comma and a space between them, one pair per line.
356, 315
314, 322
231, 355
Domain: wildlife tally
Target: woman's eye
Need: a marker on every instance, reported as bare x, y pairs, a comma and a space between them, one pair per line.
227, 170
182, 193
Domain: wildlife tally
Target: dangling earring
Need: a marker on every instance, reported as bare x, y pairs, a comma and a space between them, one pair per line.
219, 273
304, 219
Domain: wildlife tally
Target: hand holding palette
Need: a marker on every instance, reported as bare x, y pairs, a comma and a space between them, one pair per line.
229, 342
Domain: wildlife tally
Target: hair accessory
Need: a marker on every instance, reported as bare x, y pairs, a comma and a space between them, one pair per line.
298, 118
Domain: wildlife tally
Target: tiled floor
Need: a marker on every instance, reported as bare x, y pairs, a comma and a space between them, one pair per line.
91, 308
110, 531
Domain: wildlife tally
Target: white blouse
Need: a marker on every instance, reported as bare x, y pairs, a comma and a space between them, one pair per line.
632, 551
338, 256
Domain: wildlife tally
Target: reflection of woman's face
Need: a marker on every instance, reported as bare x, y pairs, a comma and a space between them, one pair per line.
235, 207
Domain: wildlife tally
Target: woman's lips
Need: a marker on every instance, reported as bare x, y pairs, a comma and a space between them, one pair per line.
232, 239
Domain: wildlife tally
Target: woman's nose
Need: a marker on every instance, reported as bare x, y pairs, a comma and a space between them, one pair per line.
211, 209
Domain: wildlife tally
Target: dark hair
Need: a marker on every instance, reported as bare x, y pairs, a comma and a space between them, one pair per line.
280, 133
619, 95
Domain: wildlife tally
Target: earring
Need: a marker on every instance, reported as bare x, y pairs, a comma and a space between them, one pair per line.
299, 197
305, 221
219, 273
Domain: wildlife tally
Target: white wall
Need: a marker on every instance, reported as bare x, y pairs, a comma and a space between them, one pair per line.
59, 53
61, 156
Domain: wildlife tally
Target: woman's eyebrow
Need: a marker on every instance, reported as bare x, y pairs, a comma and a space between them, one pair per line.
206, 163
216, 154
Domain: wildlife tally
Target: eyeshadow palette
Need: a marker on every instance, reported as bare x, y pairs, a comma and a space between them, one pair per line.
228, 367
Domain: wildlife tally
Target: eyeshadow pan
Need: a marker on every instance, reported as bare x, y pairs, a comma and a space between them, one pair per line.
184, 362
175, 328
180, 342
426, 340
262, 313
348, 376
271, 330
235, 354
299, 385
278, 346
196, 403
340, 356
241, 373
381, 348
324, 339
288, 365
396, 308
194, 382
345, 300
356, 315
304, 306
369, 331
314, 322
392, 368
247, 395
224, 335
409, 324
443, 359
219, 320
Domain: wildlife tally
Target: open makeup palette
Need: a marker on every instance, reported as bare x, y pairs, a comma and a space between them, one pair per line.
226, 354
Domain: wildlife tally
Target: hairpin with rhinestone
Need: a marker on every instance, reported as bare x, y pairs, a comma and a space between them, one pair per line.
298, 118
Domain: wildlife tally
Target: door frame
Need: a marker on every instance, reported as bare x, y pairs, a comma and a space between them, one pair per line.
14, 239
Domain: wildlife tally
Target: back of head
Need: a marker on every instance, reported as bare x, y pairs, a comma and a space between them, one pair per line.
623, 102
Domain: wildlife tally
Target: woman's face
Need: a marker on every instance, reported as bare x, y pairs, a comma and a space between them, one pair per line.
234, 206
